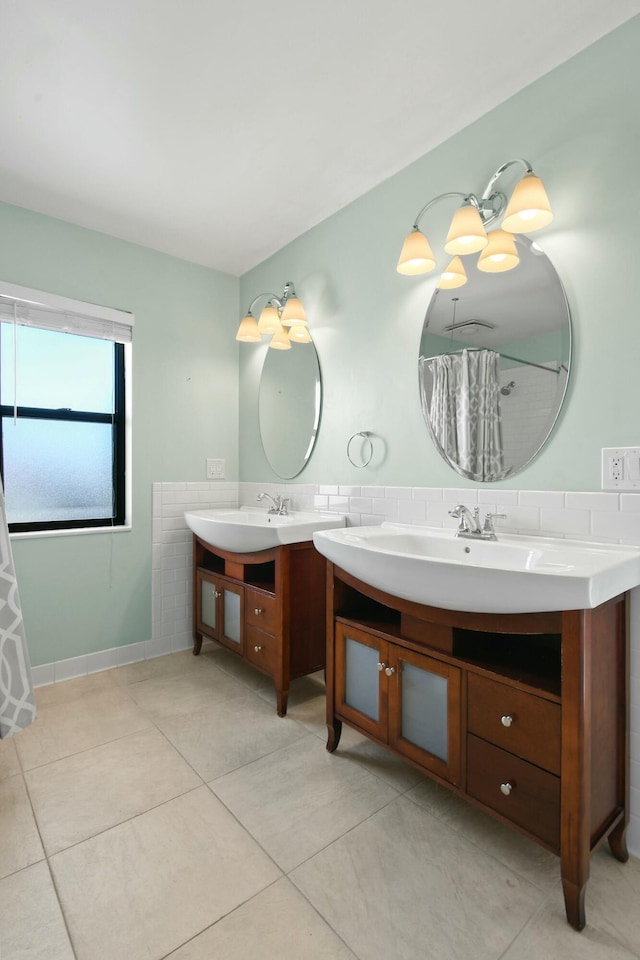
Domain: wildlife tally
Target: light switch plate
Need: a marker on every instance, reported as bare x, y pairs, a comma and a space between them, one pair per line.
621, 468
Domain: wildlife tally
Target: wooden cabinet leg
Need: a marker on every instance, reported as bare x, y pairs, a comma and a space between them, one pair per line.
335, 730
197, 644
618, 842
574, 903
282, 697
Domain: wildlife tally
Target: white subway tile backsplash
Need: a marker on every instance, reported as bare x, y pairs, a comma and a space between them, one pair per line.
399, 493
349, 491
377, 492
427, 493
360, 505
630, 502
385, 508
412, 511
565, 521
461, 495
594, 501
492, 494
541, 498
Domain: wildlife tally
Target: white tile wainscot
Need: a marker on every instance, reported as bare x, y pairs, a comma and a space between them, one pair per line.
608, 517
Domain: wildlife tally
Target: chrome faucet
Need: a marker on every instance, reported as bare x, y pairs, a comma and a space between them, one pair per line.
469, 525
279, 504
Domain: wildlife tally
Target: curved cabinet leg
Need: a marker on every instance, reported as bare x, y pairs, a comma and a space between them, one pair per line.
335, 730
282, 697
618, 843
197, 644
574, 903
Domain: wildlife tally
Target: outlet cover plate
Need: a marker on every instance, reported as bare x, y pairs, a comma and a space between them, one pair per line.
621, 469
215, 469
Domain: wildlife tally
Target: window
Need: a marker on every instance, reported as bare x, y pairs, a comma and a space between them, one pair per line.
62, 411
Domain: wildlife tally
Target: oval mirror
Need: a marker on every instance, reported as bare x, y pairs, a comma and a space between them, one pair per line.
494, 364
289, 403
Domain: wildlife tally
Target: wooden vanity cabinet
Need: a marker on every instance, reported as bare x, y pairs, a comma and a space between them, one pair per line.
266, 607
523, 715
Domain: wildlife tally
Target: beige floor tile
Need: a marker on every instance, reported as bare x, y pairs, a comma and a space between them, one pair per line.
382, 763
613, 898
237, 668
548, 936
229, 734
9, 764
145, 887
63, 729
80, 796
166, 666
520, 854
68, 690
20, 843
307, 702
296, 801
184, 693
277, 924
402, 885
32, 926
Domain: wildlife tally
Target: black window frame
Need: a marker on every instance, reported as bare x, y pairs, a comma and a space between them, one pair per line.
117, 420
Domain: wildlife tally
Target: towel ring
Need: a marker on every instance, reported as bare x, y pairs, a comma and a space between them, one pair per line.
368, 452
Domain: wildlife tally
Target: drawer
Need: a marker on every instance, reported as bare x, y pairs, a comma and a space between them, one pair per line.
533, 800
261, 610
516, 721
262, 650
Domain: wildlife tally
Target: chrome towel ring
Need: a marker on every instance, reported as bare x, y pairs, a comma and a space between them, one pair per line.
367, 448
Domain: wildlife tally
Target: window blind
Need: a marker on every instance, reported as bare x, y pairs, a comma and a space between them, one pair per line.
46, 311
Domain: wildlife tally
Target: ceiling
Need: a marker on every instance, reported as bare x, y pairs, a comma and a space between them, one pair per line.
220, 130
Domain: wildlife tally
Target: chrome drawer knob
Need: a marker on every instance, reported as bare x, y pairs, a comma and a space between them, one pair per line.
506, 721
258, 611
381, 666
506, 788
389, 671
257, 648
217, 594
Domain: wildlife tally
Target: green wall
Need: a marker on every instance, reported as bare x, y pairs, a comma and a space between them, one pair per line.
80, 594
578, 127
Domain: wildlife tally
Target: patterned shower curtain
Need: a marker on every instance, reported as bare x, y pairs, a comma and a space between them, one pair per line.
17, 706
464, 410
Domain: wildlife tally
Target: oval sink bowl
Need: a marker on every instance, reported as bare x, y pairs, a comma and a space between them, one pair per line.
511, 575
245, 530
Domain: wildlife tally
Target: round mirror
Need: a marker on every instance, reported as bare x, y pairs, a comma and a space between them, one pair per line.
289, 403
494, 363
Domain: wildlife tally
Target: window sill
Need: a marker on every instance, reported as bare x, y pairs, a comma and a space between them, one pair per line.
80, 531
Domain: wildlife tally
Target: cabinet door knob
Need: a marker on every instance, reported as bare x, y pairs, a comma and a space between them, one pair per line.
381, 666
506, 721
506, 788
217, 594
258, 611
257, 648
389, 671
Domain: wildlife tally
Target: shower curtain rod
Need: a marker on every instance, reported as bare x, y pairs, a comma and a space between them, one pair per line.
506, 356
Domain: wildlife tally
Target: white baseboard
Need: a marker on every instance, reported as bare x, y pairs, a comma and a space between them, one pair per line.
107, 659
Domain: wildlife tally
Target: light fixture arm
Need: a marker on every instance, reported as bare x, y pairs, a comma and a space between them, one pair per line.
492, 205
289, 291
443, 196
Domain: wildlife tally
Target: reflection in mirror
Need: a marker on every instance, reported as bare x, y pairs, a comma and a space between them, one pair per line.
494, 363
289, 404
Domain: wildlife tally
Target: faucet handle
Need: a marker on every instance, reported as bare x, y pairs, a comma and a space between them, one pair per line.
488, 521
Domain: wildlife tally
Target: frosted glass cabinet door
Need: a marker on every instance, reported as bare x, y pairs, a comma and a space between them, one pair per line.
209, 604
232, 602
360, 662
424, 711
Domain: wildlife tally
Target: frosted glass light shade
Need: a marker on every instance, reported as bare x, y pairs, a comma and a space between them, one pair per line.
500, 254
293, 312
416, 256
269, 321
280, 340
248, 330
453, 276
299, 333
466, 233
529, 208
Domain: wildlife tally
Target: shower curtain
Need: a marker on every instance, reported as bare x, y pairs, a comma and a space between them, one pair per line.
17, 705
464, 410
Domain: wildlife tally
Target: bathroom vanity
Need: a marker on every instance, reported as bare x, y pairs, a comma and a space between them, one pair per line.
267, 606
523, 715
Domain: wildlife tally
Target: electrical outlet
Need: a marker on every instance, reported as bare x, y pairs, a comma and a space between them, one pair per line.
215, 469
621, 468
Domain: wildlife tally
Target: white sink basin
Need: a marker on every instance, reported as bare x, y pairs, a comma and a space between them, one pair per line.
511, 575
245, 530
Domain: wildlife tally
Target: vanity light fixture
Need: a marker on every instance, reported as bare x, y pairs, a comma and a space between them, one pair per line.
526, 211
283, 318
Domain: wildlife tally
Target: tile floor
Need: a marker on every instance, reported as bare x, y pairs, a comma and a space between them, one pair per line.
164, 810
